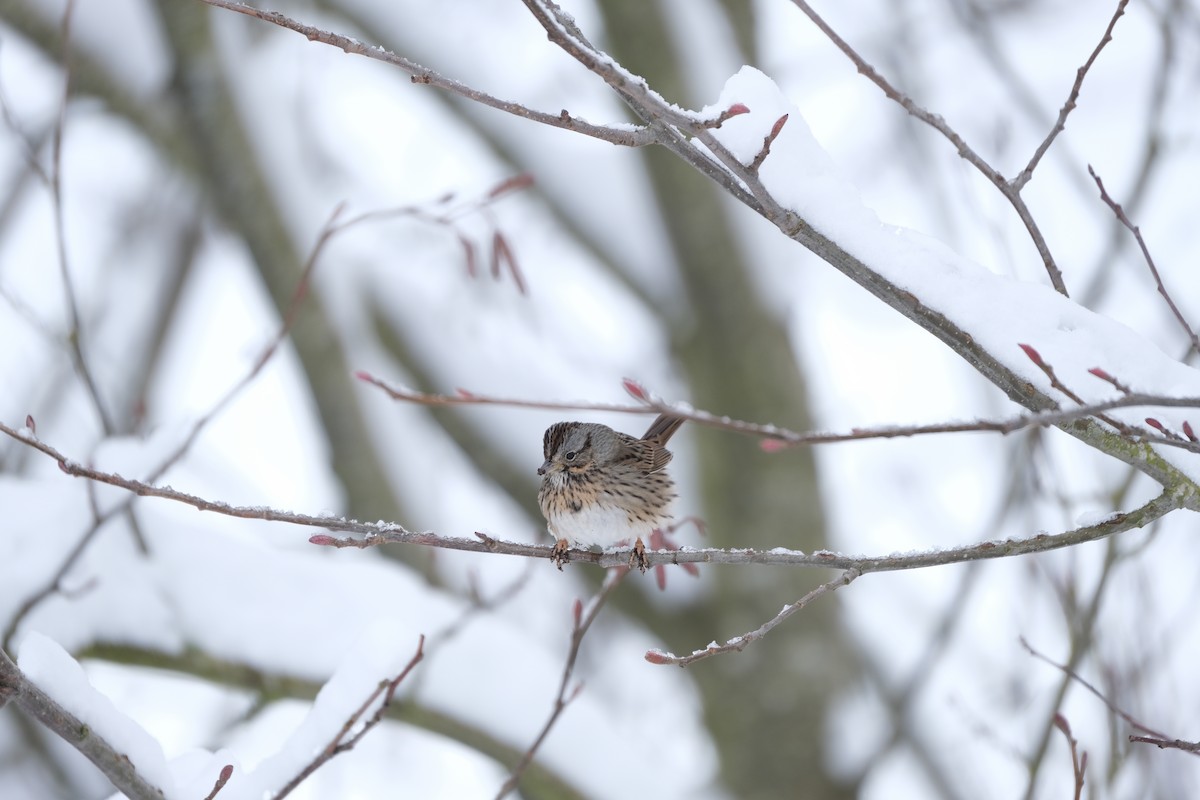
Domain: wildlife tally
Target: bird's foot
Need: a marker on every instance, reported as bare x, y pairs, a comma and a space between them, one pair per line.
637, 556
559, 555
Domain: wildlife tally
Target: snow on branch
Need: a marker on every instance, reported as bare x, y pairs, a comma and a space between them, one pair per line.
91, 737
780, 172
739, 643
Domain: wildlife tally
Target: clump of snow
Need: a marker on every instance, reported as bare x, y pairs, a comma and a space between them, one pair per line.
1090, 518
1000, 313
55, 672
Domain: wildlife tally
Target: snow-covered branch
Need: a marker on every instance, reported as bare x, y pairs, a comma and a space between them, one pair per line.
19, 691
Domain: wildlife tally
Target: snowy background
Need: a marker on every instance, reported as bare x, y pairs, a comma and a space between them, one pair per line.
202, 154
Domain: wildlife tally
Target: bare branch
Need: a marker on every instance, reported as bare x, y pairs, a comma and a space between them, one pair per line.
391, 533
1173, 744
1011, 192
584, 617
75, 336
1019, 182
1152, 736
777, 437
739, 643
637, 137
343, 740
1078, 760
1137, 234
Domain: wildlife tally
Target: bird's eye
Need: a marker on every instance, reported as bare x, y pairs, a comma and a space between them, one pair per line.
570, 456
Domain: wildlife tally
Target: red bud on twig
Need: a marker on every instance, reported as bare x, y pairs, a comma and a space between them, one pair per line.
656, 657
733, 111
778, 126
772, 445
321, 539
635, 389
1153, 423
29, 423
577, 612
1187, 431
1101, 374
512, 184
1033, 354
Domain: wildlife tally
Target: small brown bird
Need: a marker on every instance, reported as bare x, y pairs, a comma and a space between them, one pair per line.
603, 487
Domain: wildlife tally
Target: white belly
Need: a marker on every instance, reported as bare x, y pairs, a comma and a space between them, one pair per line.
603, 526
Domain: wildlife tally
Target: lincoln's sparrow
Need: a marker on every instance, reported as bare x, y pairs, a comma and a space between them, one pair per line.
603, 487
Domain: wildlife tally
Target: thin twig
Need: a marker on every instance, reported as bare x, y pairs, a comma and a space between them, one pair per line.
762, 154
1137, 235
423, 75
478, 604
739, 643
1010, 191
1169, 744
343, 740
172, 458
75, 336
777, 437
333, 226
379, 533
1078, 760
1075, 676
584, 617
1023, 177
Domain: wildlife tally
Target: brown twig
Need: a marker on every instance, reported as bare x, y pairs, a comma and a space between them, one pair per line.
1120, 214
584, 617
673, 127
376, 534
425, 76
55, 584
478, 604
739, 643
1168, 744
1078, 760
1152, 736
343, 740
75, 337
776, 437
1060, 124
762, 154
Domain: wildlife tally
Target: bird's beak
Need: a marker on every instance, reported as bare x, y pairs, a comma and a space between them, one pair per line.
544, 467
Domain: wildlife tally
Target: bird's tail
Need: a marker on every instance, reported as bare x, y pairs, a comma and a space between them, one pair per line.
663, 428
